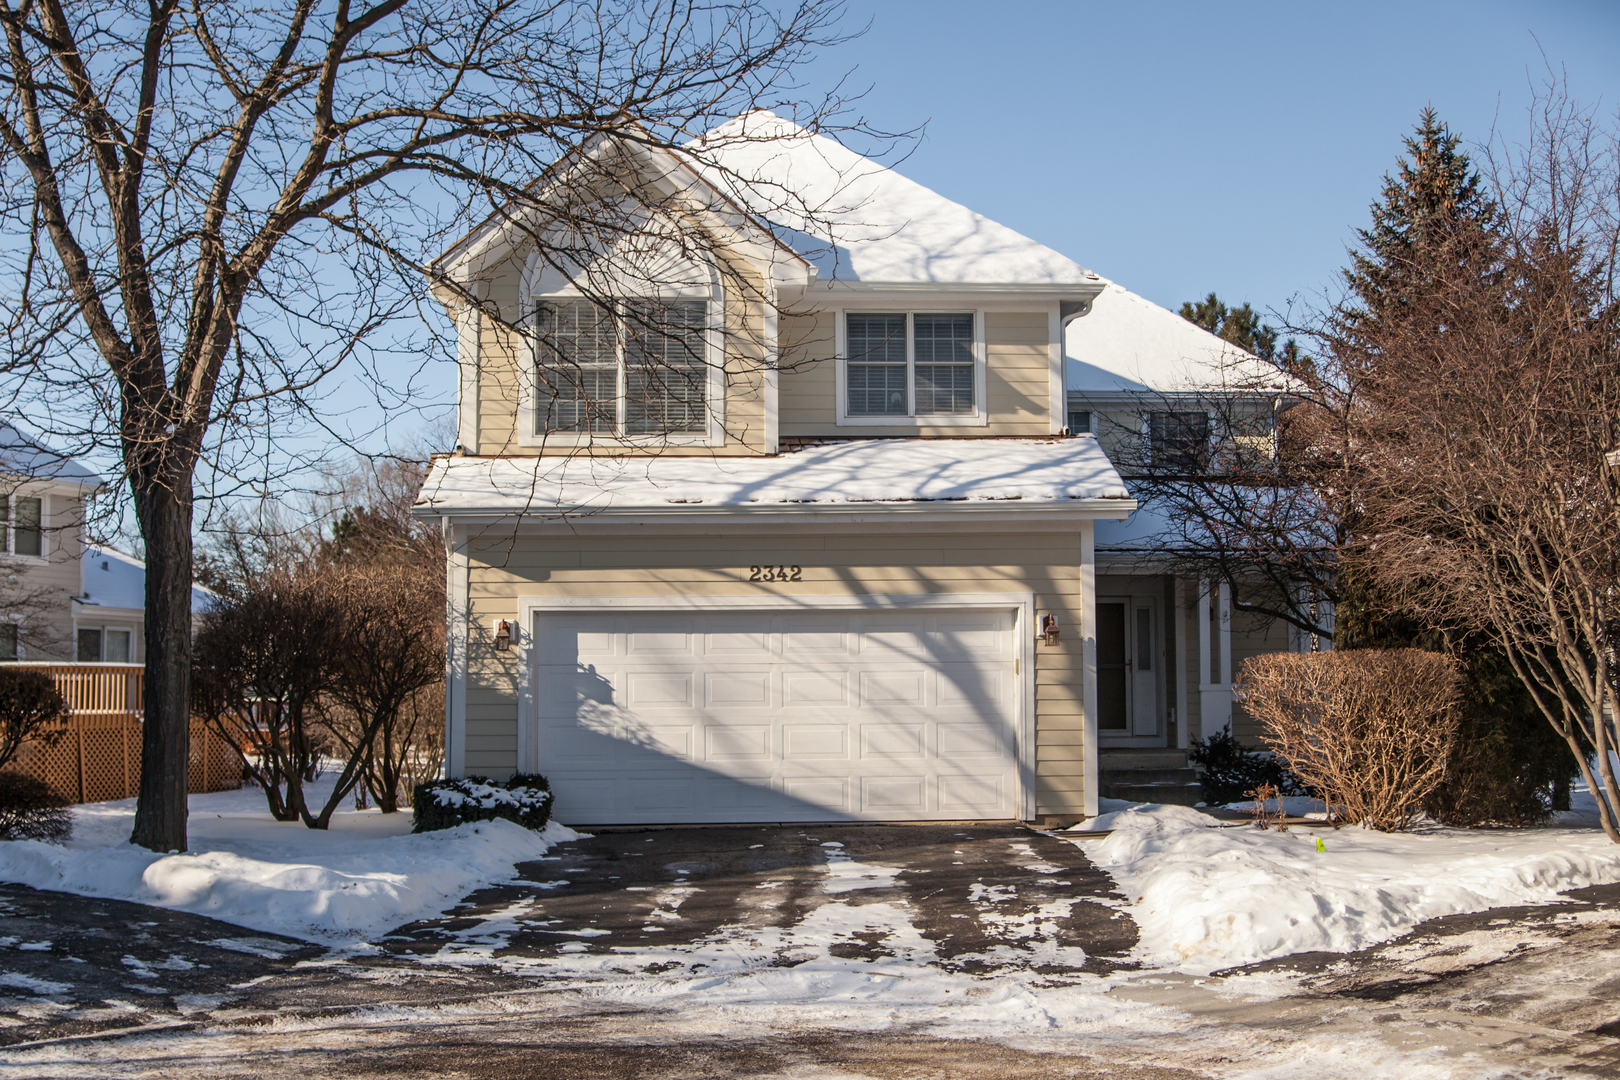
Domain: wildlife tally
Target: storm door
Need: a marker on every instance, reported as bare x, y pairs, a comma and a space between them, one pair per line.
1128, 676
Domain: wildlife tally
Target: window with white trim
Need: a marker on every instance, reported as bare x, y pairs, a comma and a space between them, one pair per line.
22, 518
906, 364
641, 369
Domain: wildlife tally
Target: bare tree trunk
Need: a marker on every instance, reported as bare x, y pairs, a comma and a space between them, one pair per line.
160, 815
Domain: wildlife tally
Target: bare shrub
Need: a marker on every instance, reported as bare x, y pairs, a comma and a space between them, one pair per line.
262, 658
1370, 729
393, 651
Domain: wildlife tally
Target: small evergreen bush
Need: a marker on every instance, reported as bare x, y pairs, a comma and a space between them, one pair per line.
444, 804
30, 809
1228, 769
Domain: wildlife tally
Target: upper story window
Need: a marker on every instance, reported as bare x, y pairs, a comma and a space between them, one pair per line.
22, 518
641, 369
1178, 440
911, 367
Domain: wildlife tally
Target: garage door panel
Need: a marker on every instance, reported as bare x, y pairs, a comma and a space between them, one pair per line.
754, 645
828, 794
889, 742
894, 795
780, 716
972, 795
658, 689
815, 741
641, 644
737, 689
735, 742
973, 686
893, 687
958, 741
803, 643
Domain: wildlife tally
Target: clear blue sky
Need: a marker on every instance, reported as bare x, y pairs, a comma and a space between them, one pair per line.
1183, 147
1176, 148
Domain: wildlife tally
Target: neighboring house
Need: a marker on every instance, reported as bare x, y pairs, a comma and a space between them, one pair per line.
109, 612
42, 510
835, 556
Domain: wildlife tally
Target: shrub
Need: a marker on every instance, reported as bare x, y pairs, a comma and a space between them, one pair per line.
1370, 729
444, 804
1229, 770
31, 709
30, 809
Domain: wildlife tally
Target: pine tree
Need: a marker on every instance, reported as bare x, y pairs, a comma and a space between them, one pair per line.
1436, 218
1434, 200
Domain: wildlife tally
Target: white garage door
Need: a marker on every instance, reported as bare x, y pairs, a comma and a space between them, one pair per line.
752, 716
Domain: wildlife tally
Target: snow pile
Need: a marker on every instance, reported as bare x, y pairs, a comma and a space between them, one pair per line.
1207, 894
868, 471
364, 876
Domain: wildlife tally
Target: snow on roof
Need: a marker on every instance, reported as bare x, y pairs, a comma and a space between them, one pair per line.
884, 227
115, 580
22, 457
868, 471
1130, 344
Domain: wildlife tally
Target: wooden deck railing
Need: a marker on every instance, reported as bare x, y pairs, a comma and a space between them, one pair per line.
100, 758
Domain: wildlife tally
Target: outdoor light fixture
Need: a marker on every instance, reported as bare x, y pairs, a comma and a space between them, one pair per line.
1049, 629
503, 635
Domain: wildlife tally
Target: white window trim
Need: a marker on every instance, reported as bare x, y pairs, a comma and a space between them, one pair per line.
714, 360
8, 531
980, 417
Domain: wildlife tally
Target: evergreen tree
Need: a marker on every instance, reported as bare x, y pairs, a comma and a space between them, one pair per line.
1435, 198
1509, 767
1243, 327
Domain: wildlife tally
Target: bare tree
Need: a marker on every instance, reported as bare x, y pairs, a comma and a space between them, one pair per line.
263, 657
209, 206
1493, 407
391, 649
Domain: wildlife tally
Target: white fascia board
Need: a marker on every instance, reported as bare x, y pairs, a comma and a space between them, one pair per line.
1047, 292
1033, 515
84, 610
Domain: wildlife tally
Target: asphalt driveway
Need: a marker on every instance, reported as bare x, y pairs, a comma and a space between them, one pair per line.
981, 895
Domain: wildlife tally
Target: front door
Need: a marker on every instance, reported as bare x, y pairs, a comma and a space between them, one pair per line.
1128, 671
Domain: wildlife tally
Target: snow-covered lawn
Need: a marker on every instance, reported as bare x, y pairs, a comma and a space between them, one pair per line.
364, 876
1208, 894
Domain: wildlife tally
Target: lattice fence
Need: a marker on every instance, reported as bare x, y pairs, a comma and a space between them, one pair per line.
100, 758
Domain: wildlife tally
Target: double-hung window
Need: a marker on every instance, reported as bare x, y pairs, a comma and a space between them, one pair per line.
909, 364
1179, 440
23, 521
639, 369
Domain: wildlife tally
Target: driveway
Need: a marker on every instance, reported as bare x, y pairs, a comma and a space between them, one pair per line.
979, 897
676, 953
963, 898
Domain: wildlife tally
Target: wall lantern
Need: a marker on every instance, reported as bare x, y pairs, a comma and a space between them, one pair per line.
503, 635
1049, 629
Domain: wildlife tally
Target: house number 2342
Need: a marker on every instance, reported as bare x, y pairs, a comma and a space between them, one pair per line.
775, 573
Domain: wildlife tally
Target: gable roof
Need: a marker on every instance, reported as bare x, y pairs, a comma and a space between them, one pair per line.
22, 458
884, 228
1129, 344
112, 579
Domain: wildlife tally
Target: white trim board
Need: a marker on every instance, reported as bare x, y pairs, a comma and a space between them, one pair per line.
1022, 604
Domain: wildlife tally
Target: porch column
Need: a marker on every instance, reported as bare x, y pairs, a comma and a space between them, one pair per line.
1088, 657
